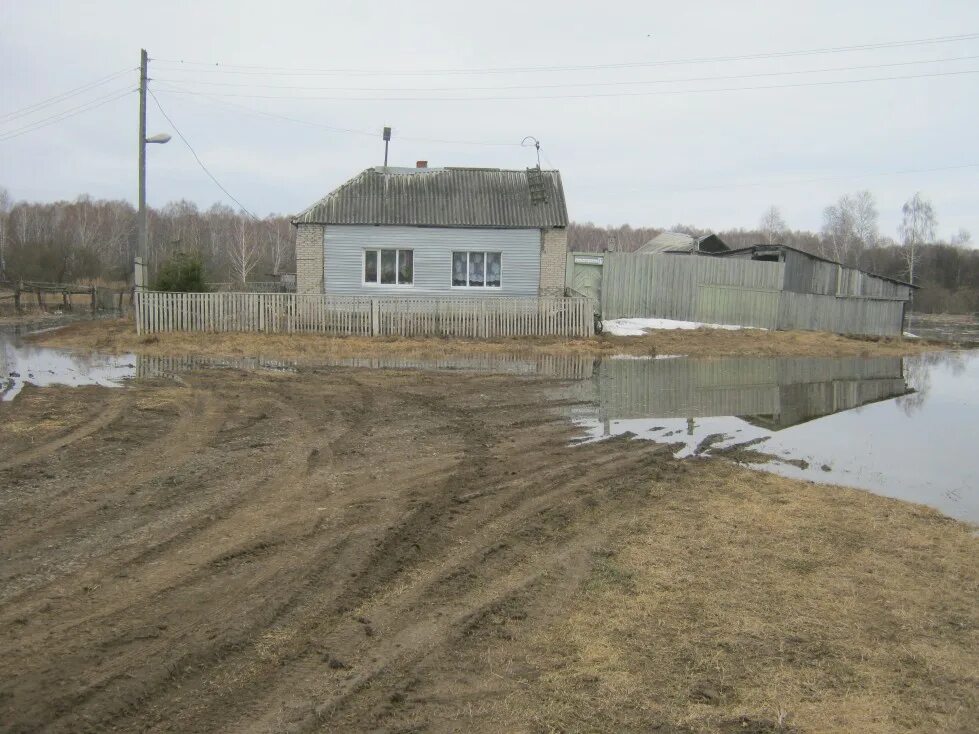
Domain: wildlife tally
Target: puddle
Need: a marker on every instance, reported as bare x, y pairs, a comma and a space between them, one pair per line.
24, 364
21, 364
899, 427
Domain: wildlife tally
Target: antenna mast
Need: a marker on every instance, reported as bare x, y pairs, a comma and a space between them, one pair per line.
523, 143
387, 139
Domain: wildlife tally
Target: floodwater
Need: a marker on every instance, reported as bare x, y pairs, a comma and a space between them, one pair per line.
903, 428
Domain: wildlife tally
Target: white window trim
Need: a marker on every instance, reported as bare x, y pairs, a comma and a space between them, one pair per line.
397, 271
468, 287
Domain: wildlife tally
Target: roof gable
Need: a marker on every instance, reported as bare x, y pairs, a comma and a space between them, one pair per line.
442, 197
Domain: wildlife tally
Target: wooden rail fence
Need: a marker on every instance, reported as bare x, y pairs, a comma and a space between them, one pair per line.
290, 313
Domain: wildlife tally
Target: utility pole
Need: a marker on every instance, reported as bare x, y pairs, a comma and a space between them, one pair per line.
139, 276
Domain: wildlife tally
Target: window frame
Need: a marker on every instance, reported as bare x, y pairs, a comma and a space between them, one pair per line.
483, 287
397, 267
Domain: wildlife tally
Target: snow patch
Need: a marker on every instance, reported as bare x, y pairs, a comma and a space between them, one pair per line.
638, 327
909, 335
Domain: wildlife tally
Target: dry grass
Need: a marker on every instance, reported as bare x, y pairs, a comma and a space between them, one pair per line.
120, 336
743, 602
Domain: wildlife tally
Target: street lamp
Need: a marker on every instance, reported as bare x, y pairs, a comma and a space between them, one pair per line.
140, 276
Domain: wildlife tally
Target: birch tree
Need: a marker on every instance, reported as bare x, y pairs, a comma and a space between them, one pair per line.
917, 228
850, 226
4, 210
772, 224
962, 238
243, 252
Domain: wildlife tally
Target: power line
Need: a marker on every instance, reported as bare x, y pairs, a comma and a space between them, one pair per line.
534, 98
789, 182
7, 116
65, 114
198, 158
351, 131
574, 84
217, 67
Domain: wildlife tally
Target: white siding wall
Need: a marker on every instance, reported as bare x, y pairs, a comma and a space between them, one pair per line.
433, 246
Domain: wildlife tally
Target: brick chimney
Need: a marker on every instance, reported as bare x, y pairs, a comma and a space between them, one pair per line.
421, 164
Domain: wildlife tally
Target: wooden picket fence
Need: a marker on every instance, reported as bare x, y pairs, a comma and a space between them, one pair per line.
291, 313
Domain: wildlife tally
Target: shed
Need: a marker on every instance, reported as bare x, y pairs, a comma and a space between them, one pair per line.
808, 273
680, 242
429, 231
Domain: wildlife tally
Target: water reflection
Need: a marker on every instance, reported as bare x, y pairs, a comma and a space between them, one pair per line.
22, 363
774, 393
899, 427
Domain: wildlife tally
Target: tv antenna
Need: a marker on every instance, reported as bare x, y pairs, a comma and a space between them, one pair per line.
523, 144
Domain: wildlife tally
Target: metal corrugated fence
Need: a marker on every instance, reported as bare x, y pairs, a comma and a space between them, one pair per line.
734, 291
287, 313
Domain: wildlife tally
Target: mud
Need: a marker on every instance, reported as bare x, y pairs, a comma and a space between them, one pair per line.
250, 551
333, 550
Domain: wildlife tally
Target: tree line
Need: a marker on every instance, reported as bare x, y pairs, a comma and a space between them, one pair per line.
89, 240
92, 240
947, 270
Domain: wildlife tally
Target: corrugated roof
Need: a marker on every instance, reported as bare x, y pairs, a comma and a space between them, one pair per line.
669, 242
441, 197
775, 247
681, 242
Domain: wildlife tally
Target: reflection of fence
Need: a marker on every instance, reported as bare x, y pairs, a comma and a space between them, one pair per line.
777, 392
573, 367
354, 315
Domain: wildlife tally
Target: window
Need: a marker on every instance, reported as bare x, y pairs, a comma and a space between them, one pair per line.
477, 269
389, 267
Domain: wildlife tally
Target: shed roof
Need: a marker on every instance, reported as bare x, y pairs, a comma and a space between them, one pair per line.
682, 242
776, 247
443, 197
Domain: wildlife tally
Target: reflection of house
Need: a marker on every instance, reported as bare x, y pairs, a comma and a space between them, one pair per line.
682, 243
427, 231
774, 393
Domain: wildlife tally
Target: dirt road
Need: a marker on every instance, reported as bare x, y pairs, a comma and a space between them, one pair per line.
267, 553
332, 550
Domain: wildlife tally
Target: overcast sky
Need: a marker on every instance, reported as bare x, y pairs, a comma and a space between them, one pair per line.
638, 142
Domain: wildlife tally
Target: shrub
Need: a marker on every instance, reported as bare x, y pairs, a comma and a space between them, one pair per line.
182, 273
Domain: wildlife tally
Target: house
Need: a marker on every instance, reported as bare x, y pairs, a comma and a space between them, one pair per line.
680, 242
436, 231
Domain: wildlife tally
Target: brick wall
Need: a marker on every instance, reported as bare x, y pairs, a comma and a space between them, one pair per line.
309, 258
553, 261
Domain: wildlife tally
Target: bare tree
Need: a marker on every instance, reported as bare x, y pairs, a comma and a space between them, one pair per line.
4, 210
277, 243
962, 238
243, 250
865, 220
850, 227
917, 228
772, 224
839, 230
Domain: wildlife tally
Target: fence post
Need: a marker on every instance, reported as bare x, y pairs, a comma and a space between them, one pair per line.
94, 300
139, 314
375, 317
